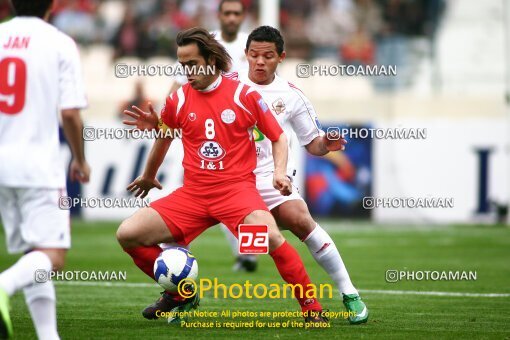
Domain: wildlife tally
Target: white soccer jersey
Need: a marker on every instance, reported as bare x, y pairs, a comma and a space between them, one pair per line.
39, 75
234, 48
294, 113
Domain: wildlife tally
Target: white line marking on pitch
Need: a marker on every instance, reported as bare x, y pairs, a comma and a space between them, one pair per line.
369, 291
106, 284
414, 292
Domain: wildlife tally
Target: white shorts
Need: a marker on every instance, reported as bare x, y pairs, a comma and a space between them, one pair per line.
32, 219
273, 197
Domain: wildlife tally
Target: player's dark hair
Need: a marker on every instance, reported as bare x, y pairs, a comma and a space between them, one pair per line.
208, 46
31, 8
220, 6
266, 34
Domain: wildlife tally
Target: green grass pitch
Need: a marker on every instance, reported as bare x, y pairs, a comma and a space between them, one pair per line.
98, 311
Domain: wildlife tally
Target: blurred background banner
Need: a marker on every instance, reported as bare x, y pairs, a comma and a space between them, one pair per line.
451, 60
336, 184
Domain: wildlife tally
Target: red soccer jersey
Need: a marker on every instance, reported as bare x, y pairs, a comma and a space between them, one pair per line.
217, 130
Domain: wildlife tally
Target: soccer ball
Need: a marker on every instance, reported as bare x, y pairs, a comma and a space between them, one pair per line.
173, 265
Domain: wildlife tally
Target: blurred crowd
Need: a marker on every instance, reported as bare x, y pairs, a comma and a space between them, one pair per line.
347, 31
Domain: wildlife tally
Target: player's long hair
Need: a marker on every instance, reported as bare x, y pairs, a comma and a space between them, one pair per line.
208, 46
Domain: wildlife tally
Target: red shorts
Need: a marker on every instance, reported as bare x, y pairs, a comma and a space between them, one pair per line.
189, 211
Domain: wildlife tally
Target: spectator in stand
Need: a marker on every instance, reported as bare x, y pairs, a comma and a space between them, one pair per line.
175, 17
77, 19
393, 45
434, 11
133, 37
359, 48
328, 29
169, 20
139, 99
296, 38
293, 22
368, 15
144, 9
125, 40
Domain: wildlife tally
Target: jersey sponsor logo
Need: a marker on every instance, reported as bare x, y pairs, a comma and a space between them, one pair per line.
257, 135
192, 116
211, 150
263, 105
228, 116
278, 106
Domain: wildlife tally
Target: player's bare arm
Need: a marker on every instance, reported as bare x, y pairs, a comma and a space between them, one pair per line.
280, 156
322, 145
143, 120
73, 127
144, 183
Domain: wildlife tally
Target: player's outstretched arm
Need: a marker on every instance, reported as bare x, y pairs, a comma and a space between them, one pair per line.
73, 130
143, 120
322, 145
144, 183
306, 124
280, 156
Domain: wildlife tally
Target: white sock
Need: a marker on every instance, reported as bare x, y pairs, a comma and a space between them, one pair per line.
40, 299
324, 251
232, 240
23, 272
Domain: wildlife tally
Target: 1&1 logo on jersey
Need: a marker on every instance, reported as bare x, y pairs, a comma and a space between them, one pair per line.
253, 239
211, 151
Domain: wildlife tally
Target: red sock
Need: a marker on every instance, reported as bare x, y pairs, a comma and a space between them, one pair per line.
144, 258
293, 271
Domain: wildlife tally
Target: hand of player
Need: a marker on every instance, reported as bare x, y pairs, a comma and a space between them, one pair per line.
283, 184
79, 171
334, 142
143, 185
144, 120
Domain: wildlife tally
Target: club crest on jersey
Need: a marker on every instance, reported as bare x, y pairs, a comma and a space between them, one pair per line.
211, 151
228, 116
263, 105
192, 116
278, 106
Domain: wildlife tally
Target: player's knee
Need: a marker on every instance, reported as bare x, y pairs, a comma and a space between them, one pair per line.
259, 217
58, 264
301, 225
57, 258
126, 235
275, 238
